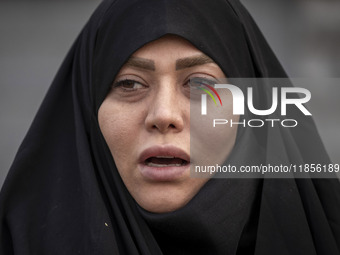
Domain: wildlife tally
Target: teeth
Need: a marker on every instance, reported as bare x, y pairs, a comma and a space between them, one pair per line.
164, 157
161, 165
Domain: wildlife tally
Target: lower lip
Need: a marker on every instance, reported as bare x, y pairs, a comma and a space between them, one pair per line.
170, 173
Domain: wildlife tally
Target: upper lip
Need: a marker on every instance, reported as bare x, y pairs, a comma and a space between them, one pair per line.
163, 150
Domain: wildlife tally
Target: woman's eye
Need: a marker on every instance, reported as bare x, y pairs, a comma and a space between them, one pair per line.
128, 85
201, 82
196, 86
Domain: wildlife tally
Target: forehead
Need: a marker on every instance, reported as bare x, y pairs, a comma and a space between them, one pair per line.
170, 46
168, 50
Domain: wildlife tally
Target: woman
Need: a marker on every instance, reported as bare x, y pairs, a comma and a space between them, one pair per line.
87, 179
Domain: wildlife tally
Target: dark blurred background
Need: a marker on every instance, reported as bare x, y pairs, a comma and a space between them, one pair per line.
36, 35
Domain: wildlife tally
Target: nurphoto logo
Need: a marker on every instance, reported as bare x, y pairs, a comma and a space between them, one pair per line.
238, 105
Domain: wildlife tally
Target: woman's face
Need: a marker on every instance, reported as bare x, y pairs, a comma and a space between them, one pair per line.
145, 120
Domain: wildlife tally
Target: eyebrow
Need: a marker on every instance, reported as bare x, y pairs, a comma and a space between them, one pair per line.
181, 63
193, 61
143, 63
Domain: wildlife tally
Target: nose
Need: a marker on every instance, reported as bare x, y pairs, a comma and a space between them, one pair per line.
167, 111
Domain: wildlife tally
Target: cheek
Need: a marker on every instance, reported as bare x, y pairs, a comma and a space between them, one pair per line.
212, 145
120, 128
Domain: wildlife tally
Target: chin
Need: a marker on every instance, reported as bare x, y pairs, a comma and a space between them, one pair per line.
162, 206
163, 201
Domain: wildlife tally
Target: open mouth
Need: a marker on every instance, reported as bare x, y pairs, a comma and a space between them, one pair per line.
165, 161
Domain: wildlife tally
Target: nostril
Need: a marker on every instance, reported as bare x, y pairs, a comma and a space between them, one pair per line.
161, 127
163, 121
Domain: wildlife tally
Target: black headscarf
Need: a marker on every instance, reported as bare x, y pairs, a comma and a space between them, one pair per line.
64, 195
